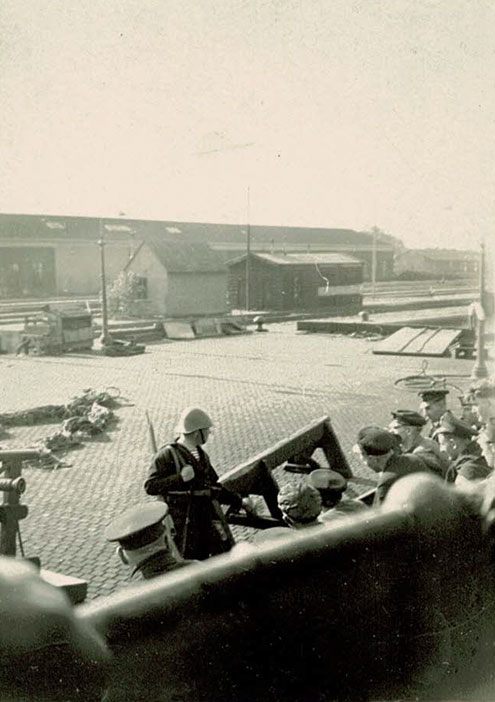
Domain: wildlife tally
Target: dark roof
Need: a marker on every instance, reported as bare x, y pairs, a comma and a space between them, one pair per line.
62, 227
450, 254
442, 254
178, 255
302, 259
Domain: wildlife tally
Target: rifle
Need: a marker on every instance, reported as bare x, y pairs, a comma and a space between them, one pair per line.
168, 519
151, 430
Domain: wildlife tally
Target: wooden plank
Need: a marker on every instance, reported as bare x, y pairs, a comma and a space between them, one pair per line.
274, 456
424, 341
439, 344
417, 344
397, 341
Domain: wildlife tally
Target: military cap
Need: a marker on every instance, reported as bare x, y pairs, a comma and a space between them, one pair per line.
409, 417
301, 502
376, 441
433, 394
138, 526
451, 425
327, 481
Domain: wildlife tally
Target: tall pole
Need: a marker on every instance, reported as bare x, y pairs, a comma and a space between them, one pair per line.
480, 369
248, 252
373, 263
105, 337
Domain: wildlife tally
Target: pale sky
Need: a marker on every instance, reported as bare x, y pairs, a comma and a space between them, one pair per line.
336, 113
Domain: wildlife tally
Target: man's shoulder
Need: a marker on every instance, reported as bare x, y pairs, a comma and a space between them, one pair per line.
472, 467
157, 564
167, 451
408, 462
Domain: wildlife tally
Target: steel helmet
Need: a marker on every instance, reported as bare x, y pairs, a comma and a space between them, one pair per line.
300, 502
192, 419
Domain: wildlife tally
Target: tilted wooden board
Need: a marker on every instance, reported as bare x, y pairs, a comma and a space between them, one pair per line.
418, 341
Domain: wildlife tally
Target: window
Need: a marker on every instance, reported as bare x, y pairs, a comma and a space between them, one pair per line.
141, 290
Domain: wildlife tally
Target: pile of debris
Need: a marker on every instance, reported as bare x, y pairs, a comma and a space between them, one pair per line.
82, 418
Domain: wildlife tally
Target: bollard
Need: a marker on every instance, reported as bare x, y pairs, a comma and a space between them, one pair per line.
364, 315
12, 486
259, 321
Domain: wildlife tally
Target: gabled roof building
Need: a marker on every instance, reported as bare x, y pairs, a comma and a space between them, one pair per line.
44, 255
179, 278
295, 281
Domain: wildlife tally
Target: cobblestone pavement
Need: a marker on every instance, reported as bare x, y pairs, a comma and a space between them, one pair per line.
259, 388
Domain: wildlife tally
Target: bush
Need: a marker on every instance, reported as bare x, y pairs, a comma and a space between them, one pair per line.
122, 294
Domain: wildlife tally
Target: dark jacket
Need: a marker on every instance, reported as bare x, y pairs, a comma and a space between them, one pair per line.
471, 465
201, 527
397, 467
157, 564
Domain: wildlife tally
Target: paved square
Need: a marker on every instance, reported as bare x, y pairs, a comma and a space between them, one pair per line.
258, 388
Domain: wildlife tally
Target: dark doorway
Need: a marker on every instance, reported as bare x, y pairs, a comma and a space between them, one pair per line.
27, 271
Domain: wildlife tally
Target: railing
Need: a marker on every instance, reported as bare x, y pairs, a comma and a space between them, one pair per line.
396, 605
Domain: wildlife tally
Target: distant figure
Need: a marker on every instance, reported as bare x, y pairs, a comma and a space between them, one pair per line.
380, 450
300, 505
433, 406
484, 407
331, 486
145, 541
408, 424
182, 475
469, 413
457, 440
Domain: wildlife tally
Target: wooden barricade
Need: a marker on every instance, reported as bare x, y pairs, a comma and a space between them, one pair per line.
254, 476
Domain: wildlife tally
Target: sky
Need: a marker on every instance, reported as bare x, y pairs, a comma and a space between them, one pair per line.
332, 113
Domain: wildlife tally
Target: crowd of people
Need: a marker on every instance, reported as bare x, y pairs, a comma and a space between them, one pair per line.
188, 523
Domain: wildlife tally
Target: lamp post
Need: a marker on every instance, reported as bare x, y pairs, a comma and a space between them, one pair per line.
105, 336
248, 254
480, 369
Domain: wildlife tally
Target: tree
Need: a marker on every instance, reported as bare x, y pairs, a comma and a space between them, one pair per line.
123, 292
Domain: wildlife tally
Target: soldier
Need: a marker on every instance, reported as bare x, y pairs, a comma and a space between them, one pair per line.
182, 475
145, 541
331, 486
484, 406
300, 504
407, 425
457, 440
380, 450
433, 406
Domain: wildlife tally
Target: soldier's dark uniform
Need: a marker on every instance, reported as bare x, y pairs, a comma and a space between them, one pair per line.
157, 564
470, 464
200, 524
332, 486
377, 442
431, 396
139, 528
397, 467
425, 448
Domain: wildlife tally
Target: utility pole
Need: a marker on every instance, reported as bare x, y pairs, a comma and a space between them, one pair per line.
480, 369
105, 337
373, 262
248, 252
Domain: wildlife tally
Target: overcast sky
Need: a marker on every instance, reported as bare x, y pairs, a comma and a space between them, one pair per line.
338, 113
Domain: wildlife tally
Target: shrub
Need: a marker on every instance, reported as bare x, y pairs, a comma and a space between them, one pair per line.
122, 293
